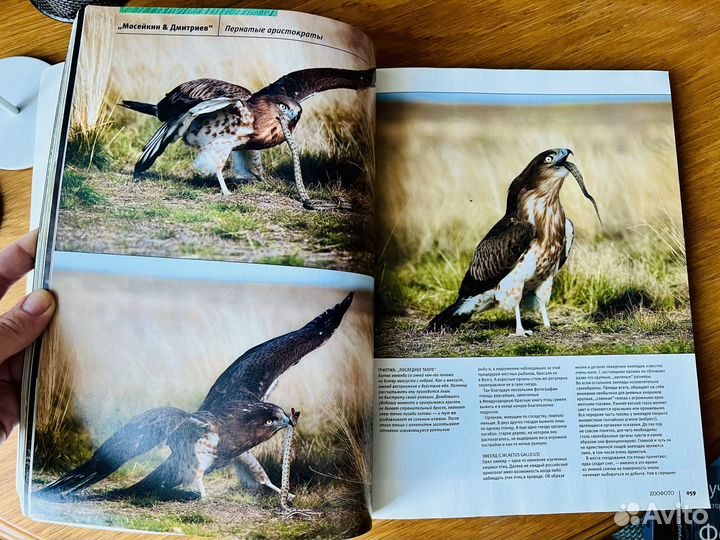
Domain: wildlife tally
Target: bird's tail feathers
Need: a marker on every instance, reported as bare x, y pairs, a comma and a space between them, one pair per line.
139, 106
139, 435
451, 317
154, 148
76, 480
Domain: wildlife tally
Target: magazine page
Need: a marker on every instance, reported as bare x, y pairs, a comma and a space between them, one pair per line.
534, 349
207, 233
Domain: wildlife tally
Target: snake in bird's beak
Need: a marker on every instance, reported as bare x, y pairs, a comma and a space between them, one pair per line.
570, 166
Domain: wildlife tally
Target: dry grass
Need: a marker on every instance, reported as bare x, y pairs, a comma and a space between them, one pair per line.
445, 169
443, 175
60, 438
165, 342
178, 338
649, 266
95, 67
92, 107
174, 213
146, 67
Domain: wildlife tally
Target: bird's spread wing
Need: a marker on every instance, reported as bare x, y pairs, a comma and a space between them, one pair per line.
494, 257
300, 85
252, 375
170, 131
496, 254
172, 472
189, 94
140, 435
184, 463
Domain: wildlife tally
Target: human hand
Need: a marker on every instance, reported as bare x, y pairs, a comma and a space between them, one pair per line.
18, 327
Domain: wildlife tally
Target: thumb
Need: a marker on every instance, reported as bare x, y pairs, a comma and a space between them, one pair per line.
22, 324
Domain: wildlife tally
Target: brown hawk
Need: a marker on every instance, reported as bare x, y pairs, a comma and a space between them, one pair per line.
519, 258
232, 419
222, 119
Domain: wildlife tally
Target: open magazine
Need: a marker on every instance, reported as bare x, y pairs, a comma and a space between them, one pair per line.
297, 293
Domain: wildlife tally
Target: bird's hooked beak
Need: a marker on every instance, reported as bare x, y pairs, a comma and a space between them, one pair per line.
291, 420
562, 156
289, 114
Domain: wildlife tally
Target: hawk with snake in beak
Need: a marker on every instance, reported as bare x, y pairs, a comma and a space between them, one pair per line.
520, 256
225, 120
233, 418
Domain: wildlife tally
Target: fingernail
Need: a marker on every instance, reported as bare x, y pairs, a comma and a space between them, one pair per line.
37, 303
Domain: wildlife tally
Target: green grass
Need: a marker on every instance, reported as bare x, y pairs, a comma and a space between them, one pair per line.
165, 524
63, 449
135, 214
573, 333
234, 207
537, 347
329, 231
175, 213
603, 278
284, 260
235, 226
326, 476
185, 193
172, 209
88, 149
78, 193
626, 295
345, 157
194, 518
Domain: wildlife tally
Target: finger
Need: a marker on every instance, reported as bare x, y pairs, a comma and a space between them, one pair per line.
9, 409
14, 366
26, 321
10, 379
16, 260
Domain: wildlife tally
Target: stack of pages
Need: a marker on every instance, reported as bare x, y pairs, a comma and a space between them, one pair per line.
296, 293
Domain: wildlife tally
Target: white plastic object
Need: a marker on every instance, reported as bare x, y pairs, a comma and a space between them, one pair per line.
19, 84
47, 105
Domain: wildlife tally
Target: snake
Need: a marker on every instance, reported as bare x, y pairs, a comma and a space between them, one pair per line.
286, 459
579, 178
288, 511
307, 202
299, 184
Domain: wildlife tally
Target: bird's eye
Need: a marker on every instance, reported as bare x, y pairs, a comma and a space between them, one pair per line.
548, 159
269, 422
283, 106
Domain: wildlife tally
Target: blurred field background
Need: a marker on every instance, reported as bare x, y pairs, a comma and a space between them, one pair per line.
164, 343
443, 174
174, 212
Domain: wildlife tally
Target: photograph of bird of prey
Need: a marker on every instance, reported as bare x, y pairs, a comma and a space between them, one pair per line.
222, 120
520, 256
233, 419
487, 251
181, 147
